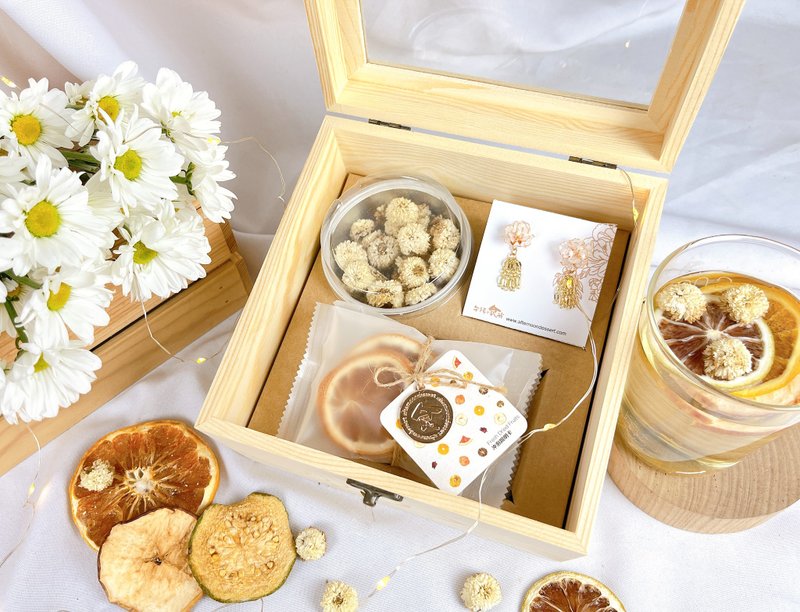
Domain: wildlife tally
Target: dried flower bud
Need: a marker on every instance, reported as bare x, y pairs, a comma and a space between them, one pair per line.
424, 218
361, 229
98, 477
727, 358
481, 592
745, 303
348, 252
372, 236
444, 234
413, 239
359, 276
310, 544
382, 251
401, 211
412, 272
339, 597
682, 302
420, 294
385, 294
380, 214
442, 264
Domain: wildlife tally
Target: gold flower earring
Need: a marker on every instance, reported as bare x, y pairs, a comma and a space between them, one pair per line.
516, 236
568, 284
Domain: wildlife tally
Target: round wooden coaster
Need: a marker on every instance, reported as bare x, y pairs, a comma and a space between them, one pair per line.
734, 499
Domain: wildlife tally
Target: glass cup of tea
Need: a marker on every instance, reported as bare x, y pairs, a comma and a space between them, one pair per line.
716, 369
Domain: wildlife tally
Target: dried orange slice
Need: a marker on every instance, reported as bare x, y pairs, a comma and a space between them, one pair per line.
131, 471
350, 402
570, 592
688, 341
407, 347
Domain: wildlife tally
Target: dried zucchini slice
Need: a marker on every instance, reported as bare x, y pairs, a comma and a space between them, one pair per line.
143, 564
243, 551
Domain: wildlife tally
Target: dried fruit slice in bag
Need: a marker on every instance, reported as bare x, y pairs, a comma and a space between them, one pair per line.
242, 551
349, 402
570, 592
131, 471
143, 564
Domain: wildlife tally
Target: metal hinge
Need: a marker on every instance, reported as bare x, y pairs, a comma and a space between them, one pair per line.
371, 494
396, 126
592, 162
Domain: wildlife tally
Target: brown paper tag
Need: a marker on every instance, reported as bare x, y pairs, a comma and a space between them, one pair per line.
426, 416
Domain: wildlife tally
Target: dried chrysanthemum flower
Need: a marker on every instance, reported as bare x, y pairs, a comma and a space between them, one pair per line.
382, 251
745, 303
682, 302
380, 214
413, 239
385, 294
442, 264
359, 275
372, 236
444, 234
348, 252
339, 597
424, 218
98, 477
412, 272
401, 211
727, 358
481, 592
310, 544
361, 229
420, 294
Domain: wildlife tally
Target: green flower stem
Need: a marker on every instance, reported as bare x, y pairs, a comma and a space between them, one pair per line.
79, 156
22, 280
12, 313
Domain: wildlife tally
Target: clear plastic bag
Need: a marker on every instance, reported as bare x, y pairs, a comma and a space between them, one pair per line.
337, 336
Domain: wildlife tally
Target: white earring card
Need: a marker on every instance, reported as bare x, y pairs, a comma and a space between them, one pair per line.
531, 307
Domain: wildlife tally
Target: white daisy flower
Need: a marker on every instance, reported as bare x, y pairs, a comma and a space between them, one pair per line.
105, 207
212, 169
12, 172
161, 254
44, 379
108, 97
188, 116
73, 299
35, 122
136, 162
51, 221
78, 93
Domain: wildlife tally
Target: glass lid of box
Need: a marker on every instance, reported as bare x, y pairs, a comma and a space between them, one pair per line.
615, 50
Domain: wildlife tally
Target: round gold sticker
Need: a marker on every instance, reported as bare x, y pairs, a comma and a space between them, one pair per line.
426, 416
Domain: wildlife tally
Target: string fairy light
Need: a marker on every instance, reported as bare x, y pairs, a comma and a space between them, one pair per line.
29, 502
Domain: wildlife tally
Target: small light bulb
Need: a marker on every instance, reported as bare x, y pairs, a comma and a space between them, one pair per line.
200, 360
627, 44
8, 82
31, 489
382, 583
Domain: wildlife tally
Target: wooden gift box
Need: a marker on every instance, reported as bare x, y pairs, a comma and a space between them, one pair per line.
125, 346
246, 400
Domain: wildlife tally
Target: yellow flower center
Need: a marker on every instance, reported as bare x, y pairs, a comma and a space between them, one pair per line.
43, 220
176, 113
40, 364
142, 254
58, 299
27, 129
130, 164
110, 105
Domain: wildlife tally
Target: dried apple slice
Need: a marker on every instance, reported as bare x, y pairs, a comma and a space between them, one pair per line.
143, 564
243, 551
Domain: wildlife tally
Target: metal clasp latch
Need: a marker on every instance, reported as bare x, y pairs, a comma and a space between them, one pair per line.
371, 494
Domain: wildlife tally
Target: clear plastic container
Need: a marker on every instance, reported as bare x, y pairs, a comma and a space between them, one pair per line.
363, 201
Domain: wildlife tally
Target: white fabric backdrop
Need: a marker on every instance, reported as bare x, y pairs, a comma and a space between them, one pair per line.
738, 172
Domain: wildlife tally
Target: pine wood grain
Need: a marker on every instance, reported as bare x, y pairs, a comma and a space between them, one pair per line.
721, 501
647, 137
